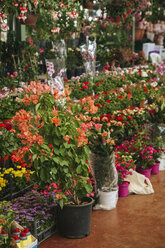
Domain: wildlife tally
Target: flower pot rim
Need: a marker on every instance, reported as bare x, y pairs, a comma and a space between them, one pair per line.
141, 169
124, 184
81, 205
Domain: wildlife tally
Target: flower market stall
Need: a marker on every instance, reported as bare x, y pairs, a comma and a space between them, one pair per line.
80, 113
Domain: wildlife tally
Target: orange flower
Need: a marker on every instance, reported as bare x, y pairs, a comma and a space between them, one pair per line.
69, 110
66, 138
55, 112
68, 99
58, 197
34, 98
88, 118
104, 134
25, 100
67, 91
56, 121
96, 119
55, 94
12, 131
82, 140
104, 119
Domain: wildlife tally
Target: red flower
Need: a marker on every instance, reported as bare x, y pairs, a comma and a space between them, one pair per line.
121, 97
50, 146
129, 117
96, 96
85, 82
65, 80
6, 157
85, 87
98, 105
108, 101
8, 127
145, 89
39, 126
2, 125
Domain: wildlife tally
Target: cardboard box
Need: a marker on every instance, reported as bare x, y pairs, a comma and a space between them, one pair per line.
34, 244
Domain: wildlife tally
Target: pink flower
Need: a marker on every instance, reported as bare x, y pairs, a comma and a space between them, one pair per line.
85, 87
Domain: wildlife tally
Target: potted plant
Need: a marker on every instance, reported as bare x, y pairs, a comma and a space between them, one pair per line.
102, 160
22, 8
143, 150
6, 217
124, 163
36, 211
56, 147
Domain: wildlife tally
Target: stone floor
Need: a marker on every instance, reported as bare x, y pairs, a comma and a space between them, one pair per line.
137, 222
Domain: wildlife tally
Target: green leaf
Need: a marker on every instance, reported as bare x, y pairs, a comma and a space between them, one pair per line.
88, 188
44, 175
56, 151
79, 169
66, 170
34, 157
61, 203
56, 160
56, 142
64, 162
45, 147
54, 170
37, 106
42, 158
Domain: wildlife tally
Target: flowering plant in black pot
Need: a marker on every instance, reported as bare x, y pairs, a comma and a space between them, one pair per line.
54, 144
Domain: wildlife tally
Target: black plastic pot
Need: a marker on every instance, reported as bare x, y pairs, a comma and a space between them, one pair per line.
74, 221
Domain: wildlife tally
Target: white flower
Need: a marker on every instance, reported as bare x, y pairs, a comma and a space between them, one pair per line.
154, 84
144, 74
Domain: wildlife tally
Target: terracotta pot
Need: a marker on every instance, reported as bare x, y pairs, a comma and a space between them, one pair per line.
30, 20
159, 40
139, 33
87, 5
117, 19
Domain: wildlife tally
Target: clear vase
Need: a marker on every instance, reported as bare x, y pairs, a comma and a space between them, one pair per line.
104, 172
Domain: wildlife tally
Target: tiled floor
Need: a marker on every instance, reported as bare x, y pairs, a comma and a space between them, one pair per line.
137, 222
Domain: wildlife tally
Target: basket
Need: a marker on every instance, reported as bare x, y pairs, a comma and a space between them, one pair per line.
42, 235
30, 20
14, 224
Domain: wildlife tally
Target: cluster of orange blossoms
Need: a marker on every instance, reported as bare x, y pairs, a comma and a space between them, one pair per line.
35, 89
